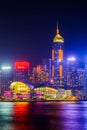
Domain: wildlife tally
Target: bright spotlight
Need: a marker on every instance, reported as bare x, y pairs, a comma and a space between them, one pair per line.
71, 59
6, 67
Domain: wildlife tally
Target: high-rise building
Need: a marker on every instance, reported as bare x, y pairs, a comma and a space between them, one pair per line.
40, 75
85, 82
21, 71
70, 73
73, 76
85, 76
57, 59
47, 63
5, 78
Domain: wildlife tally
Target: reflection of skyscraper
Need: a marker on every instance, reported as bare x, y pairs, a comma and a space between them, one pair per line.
57, 59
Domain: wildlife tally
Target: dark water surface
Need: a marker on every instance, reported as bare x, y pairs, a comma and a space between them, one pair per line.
43, 116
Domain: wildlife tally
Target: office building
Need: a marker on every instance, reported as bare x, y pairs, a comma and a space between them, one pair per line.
57, 59
22, 71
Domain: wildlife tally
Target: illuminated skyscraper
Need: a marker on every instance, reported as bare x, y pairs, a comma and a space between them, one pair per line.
40, 75
57, 59
21, 72
5, 78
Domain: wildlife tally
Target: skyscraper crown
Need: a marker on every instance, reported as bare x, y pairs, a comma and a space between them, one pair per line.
58, 37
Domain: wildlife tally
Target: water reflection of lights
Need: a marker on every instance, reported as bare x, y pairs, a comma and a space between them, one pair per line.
6, 108
50, 115
22, 103
84, 114
6, 111
21, 108
21, 116
67, 102
72, 116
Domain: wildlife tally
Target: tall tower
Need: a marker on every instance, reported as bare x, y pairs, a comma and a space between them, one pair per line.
57, 59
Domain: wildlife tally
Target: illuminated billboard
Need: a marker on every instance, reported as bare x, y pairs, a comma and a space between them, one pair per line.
22, 66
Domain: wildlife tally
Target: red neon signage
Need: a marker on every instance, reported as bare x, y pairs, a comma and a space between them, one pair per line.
22, 65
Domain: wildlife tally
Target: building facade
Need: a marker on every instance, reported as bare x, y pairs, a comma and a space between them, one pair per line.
22, 71
40, 75
57, 59
6, 78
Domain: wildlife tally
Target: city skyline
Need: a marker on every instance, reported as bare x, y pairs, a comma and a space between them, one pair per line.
27, 29
43, 65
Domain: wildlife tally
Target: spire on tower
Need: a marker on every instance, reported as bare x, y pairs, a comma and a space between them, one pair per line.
58, 37
57, 30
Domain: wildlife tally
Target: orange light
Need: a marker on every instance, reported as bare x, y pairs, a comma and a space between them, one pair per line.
60, 82
38, 68
60, 54
52, 54
52, 70
61, 70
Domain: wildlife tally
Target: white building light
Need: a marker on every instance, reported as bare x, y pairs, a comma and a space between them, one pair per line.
6, 68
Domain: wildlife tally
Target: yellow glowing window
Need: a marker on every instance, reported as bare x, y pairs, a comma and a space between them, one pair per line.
61, 70
52, 54
60, 54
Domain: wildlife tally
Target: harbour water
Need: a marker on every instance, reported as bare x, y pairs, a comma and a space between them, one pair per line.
43, 115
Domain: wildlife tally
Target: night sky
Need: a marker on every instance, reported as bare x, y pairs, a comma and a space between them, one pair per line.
27, 29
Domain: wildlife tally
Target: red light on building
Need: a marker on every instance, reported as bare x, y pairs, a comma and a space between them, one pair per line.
52, 81
22, 65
